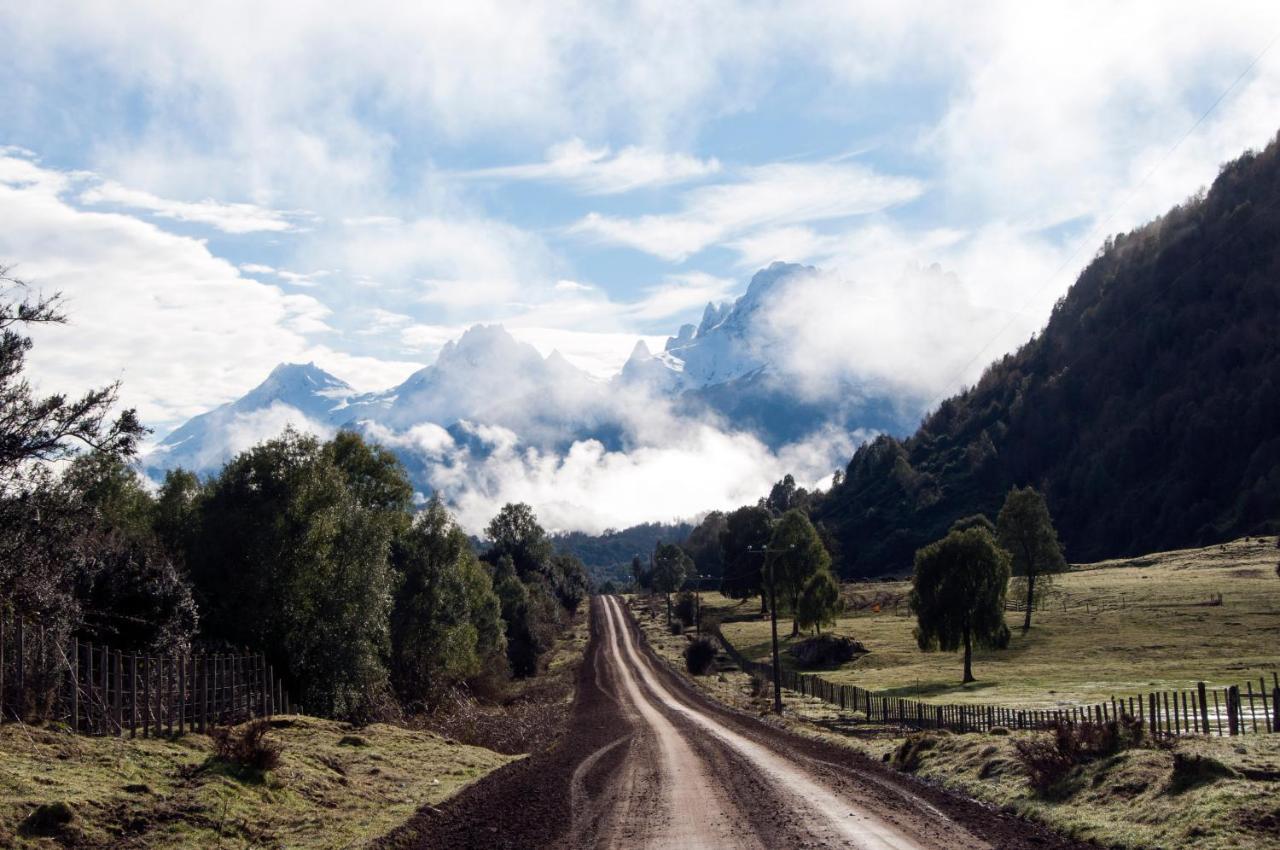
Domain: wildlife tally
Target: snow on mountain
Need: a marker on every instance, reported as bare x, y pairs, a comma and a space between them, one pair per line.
489, 395
299, 394
726, 346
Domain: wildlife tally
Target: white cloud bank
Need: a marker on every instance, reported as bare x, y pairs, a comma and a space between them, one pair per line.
599, 171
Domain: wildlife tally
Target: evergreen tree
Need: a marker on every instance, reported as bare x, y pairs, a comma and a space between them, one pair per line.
670, 567
819, 602
746, 531
957, 594
796, 554
446, 621
1026, 532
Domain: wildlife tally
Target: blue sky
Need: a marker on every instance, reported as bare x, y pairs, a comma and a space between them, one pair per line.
221, 188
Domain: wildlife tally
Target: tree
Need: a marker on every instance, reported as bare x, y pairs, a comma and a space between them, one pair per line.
292, 556
515, 533
957, 594
446, 620
819, 603
746, 531
795, 555
670, 566
1027, 534
703, 545
974, 521
529, 612
36, 431
569, 580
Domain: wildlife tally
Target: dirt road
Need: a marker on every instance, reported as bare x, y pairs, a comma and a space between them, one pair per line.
648, 762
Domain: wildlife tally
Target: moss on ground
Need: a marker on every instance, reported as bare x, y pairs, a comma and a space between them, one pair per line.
170, 793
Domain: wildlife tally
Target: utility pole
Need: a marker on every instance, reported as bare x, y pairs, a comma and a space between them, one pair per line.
773, 621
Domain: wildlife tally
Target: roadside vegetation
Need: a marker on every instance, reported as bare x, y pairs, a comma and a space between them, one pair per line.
334, 786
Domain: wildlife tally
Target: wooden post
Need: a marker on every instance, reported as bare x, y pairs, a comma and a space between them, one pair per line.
119, 699
1204, 707
19, 710
75, 684
133, 695
279, 695
171, 679
160, 688
1275, 709
1, 664
105, 666
1170, 727
146, 697
1253, 718
204, 694
182, 695
1233, 717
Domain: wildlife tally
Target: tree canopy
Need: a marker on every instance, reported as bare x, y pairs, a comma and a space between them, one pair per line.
957, 594
1026, 532
796, 555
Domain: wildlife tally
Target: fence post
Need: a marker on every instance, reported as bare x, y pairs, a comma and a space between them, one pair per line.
204, 694
1, 664
271, 678
1204, 707
20, 670
146, 697
182, 695
133, 695
74, 672
106, 691
119, 698
1233, 703
1275, 709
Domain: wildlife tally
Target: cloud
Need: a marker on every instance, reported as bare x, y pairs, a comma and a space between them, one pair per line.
768, 195
598, 171
694, 467
246, 430
182, 328
229, 218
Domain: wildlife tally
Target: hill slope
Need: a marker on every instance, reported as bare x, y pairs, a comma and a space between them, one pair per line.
1147, 410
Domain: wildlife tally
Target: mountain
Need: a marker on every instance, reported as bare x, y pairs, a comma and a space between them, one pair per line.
727, 366
1147, 410
293, 393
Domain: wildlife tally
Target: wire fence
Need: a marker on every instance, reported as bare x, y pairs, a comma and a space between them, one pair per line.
1231, 710
98, 690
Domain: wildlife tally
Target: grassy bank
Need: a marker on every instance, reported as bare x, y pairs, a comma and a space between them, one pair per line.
1158, 622
334, 787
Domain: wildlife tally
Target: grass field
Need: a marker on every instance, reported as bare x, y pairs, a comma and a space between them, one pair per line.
1129, 626
333, 788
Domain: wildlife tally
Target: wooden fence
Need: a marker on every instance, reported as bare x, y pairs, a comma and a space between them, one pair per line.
97, 690
1202, 711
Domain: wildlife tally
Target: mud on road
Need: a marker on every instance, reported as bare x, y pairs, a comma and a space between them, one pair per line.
646, 761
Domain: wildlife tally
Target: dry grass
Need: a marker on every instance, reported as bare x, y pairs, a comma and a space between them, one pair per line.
1130, 626
331, 788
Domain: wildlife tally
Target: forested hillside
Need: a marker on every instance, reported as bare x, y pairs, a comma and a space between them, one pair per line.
1147, 410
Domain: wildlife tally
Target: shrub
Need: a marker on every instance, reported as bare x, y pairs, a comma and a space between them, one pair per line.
47, 820
826, 651
999, 730
685, 608
246, 746
699, 656
907, 756
1048, 759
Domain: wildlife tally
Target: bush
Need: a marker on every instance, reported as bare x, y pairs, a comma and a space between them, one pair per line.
699, 656
1048, 759
47, 820
685, 608
246, 746
907, 756
826, 651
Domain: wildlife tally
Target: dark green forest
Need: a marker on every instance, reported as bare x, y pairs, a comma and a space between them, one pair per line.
1146, 411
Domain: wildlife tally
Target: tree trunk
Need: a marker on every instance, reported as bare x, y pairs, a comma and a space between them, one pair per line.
1031, 599
968, 658
668, 595
764, 603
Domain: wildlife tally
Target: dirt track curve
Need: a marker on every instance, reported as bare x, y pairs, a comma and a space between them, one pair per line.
648, 762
